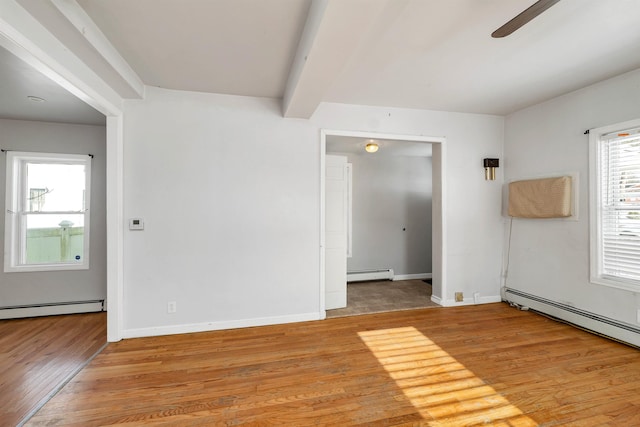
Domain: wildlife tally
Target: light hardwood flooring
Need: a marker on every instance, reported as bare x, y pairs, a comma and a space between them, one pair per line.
473, 365
38, 354
386, 295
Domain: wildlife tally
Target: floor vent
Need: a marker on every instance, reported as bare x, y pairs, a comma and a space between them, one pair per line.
51, 309
602, 325
361, 276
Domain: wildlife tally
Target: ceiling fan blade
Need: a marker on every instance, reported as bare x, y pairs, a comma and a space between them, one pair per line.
522, 18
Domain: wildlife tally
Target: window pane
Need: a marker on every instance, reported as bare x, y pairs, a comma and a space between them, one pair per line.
620, 210
55, 187
47, 226
54, 238
36, 199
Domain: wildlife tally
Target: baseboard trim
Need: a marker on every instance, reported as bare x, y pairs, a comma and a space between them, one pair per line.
51, 309
593, 322
467, 301
368, 275
412, 276
216, 326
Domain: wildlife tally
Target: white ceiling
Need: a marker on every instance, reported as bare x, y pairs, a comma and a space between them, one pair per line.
238, 47
439, 55
426, 54
18, 81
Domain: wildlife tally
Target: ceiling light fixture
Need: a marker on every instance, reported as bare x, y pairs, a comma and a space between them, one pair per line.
35, 98
371, 147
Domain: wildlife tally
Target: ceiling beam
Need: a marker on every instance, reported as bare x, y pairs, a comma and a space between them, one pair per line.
27, 38
76, 15
292, 93
317, 62
67, 22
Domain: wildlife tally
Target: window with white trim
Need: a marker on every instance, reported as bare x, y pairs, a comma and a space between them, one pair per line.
47, 212
615, 205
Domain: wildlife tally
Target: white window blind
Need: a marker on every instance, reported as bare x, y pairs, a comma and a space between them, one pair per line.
619, 207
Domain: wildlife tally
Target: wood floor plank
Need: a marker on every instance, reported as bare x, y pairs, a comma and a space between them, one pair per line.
474, 365
37, 354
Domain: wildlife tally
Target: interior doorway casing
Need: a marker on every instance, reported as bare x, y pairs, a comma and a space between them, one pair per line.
438, 217
24, 43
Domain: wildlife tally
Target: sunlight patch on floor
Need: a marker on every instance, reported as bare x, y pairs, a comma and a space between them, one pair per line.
443, 391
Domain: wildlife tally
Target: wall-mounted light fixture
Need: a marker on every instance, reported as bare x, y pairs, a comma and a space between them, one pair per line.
490, 166
371, 147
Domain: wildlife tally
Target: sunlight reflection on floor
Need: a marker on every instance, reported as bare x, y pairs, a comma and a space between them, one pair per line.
443, 391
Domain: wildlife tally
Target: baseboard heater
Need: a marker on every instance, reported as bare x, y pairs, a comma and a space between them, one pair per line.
51, 309
602, 325
361, 276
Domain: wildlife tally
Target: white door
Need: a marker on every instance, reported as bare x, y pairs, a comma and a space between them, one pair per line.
335, 270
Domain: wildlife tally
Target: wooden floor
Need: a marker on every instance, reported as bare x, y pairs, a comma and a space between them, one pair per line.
38, 354
475, 365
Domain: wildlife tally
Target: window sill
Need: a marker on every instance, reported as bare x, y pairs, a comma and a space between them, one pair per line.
46, 267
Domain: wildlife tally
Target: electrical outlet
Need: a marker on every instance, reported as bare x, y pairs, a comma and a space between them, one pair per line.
171, 307
459, 297
476, 297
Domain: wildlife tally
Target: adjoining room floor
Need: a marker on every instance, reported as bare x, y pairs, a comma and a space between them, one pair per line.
382, 296
39, 355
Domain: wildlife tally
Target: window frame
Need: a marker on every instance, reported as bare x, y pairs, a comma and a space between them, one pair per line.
595, 202
15, 231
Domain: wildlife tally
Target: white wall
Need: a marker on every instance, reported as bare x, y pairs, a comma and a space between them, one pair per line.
391, 213
229, 191
472, 211
550, 258
58, 286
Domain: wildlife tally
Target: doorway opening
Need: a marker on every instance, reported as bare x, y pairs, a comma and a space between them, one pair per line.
387, 229
63, 124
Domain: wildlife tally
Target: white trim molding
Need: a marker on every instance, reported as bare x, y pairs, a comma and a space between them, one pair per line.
29, 40
594, 322
361, 276
220, 325
439, 217
597, 273
418, 276
490, 299
115, 228
51, 309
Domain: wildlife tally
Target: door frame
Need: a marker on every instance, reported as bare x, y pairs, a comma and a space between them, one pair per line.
26, 42
439, 234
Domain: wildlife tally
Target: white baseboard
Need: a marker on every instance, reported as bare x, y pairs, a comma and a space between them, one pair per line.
412, 276
362, 276
216, 326
50, 309
613, 328
466, 301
